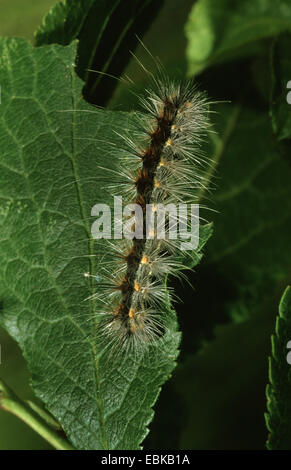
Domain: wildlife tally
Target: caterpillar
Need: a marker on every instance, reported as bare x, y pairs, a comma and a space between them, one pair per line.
159, 163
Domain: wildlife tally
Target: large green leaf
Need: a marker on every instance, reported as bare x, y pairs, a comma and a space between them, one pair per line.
108, 32
278, 417
221, 30
251, 246
64, 22
49, 183
249, 251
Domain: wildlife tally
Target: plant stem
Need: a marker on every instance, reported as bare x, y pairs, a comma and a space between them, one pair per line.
10, 402
44, 415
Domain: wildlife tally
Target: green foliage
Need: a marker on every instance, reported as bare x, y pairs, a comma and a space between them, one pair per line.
232, 43
48, 187
281, 73
248, 258
107, 33
64, 22
253, 201
278, 418
219, 31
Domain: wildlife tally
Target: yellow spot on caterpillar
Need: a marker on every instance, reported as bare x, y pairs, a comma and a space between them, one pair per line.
172, 97
144, 259
162, 163
152, 233
116, 311
185, 106
157, 184
169, 142
137, 286
131, 313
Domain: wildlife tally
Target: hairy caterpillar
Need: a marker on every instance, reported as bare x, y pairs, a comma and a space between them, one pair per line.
161, 162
